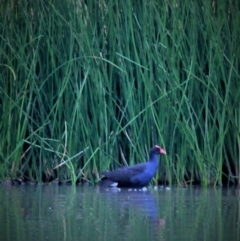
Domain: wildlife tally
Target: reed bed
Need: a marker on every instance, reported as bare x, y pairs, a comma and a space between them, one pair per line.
87, 86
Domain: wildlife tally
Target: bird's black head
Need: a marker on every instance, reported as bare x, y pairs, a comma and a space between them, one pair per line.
156, 150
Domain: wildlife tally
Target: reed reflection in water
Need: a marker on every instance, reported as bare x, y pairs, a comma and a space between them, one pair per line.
49, 212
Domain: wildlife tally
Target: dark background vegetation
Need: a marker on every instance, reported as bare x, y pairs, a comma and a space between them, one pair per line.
87, 86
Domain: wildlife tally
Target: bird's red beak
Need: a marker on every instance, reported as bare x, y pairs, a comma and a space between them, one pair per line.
161, 150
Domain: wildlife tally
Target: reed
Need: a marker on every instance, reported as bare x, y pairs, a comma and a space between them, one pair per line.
91, 86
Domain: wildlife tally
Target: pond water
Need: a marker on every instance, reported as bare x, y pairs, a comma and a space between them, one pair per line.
51, 212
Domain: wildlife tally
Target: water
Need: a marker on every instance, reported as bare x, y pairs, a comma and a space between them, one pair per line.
52, 212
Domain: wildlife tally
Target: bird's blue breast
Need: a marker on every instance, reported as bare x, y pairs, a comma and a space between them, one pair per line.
146, 176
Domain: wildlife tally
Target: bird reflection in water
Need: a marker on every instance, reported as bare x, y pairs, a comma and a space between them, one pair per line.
134, 203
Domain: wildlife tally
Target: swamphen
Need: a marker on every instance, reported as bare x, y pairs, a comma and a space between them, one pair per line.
138, 175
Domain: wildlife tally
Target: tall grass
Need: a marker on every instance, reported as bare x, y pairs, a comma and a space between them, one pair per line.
90, 86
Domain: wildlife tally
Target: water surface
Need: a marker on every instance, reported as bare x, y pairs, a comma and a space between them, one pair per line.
51, 212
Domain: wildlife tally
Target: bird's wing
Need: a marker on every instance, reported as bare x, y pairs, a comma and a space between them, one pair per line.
124, 174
